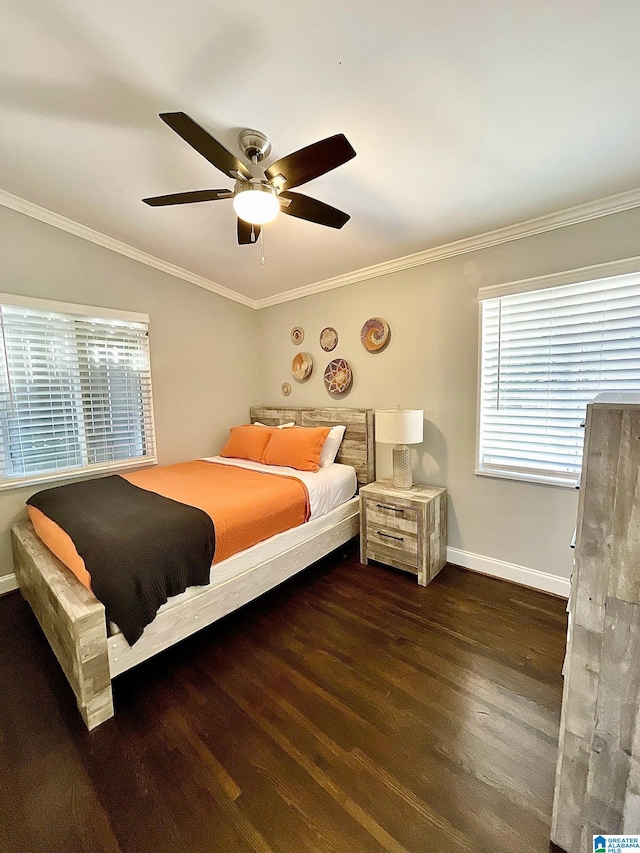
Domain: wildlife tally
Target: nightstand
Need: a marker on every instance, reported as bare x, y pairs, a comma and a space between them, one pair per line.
404, 528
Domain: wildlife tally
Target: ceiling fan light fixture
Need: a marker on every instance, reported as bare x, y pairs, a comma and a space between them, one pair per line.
256, 203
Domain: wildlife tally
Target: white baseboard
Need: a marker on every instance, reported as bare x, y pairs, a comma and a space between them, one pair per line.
8, 583
475, 562
510, 572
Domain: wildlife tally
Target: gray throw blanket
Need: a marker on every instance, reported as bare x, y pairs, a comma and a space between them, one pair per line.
139, 547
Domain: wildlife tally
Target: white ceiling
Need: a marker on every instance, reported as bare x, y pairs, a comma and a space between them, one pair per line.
467, 115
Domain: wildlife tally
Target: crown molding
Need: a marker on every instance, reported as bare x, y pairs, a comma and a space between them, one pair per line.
609, 269
33, 210
550, 222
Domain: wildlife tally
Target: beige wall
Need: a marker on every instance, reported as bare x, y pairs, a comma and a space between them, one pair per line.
204, 356
212, 359
431, 363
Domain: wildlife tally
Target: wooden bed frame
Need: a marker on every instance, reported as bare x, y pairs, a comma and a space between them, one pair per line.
74, 621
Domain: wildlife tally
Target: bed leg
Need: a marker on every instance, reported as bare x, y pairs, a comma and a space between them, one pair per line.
91, 681
72, 619
97, 709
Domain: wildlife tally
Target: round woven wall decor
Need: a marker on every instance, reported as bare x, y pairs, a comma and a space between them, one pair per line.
328, 339
301, 366
337, 376
375, 334
297, 335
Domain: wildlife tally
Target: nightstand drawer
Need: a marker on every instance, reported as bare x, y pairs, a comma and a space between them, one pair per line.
391, 542
392, 515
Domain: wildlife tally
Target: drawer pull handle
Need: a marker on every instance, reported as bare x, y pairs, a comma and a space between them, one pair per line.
391, 536
392, 508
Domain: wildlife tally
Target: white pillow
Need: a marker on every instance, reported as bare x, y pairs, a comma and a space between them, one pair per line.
281, 426
331, 445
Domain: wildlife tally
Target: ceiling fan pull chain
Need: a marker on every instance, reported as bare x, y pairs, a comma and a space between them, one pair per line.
262, 246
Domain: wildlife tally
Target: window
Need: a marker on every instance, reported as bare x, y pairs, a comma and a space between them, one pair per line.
544, 355
75, 391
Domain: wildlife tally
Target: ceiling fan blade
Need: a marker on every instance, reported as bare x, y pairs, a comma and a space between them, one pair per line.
187, 198
198, 138
313, 210
311, 162
247, 233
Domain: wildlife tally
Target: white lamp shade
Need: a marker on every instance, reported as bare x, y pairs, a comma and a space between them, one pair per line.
399, 426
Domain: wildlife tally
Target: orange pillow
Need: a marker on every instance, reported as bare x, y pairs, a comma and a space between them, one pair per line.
296, 447
248, 442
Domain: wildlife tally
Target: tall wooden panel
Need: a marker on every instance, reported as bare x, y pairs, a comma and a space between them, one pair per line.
598, 773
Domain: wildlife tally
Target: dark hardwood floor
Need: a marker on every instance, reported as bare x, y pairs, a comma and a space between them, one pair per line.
349, 710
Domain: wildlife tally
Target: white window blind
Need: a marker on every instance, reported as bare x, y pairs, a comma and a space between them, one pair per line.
544, 355
75, 394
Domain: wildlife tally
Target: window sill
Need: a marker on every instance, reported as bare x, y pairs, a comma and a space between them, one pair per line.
75, 473
521, 477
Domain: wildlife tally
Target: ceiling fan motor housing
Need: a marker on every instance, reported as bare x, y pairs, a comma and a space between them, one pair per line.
254, 144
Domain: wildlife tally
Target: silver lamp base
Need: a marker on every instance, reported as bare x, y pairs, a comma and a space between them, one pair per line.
402, 467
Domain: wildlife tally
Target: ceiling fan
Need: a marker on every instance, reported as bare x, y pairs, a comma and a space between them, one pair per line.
256, 200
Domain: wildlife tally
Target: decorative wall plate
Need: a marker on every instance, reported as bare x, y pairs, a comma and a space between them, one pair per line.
301, 366
375, 334
337, 376
328, 339
297, 335
286, 389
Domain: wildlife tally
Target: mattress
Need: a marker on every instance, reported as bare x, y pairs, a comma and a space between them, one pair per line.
328, 488
331, 498
324, 490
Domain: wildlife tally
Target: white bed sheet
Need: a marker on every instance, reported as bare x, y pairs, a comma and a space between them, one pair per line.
328, 488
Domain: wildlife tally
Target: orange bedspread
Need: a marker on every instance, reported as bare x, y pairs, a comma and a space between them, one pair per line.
245, 506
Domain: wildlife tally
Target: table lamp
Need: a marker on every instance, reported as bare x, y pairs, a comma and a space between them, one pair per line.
400, 427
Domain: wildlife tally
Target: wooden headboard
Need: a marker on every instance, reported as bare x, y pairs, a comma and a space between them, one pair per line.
357, 448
